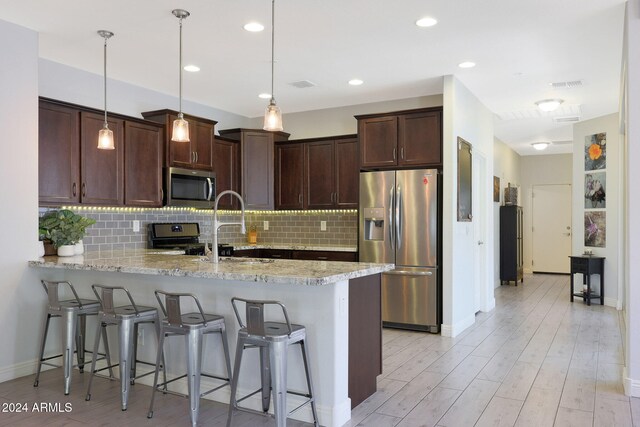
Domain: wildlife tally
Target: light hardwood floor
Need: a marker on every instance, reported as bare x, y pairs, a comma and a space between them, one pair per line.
535, 360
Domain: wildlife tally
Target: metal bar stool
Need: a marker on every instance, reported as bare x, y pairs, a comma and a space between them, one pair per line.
273, 339
73, 312
193, 326
127, 318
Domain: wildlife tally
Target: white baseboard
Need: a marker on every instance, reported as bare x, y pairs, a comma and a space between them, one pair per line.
456, 329
22, 369
631, 386
489, 305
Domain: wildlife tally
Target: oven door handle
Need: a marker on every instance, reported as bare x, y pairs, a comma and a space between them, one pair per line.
210, 188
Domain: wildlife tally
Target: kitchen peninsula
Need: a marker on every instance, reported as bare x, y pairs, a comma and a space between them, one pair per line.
338, 302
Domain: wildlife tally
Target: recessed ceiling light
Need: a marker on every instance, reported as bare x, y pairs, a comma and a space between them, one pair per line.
547, 105
427, 21
254, 27
467, 64
265, 96
355, 82
540, 145
191, 68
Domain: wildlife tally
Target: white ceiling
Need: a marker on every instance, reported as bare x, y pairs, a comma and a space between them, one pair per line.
520, 47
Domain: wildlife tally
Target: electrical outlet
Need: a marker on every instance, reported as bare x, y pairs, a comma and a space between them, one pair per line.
141, 337
323, 225
265, 225
136, 226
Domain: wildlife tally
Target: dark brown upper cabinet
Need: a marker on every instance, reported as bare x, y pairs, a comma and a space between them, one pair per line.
401, 139
317, 173
195, 154
226, 161
257, 160
143, 149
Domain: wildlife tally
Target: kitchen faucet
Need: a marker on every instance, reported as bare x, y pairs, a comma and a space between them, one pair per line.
217, 224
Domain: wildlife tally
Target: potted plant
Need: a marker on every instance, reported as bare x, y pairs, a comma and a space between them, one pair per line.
65, 229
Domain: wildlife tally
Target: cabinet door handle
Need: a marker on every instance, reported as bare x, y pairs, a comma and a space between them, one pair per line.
402, 153
84, 189
300, 198
323, 258
196, 157
161, 194
394, 154
73, 189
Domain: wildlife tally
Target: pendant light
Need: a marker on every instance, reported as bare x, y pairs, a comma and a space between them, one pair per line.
105, 136
180, 131
272, 115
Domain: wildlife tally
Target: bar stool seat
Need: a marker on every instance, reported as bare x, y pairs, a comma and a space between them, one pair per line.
127, 318
273, 340
73, 312
193, 326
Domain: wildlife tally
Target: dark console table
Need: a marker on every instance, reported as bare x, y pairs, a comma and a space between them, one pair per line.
588, 265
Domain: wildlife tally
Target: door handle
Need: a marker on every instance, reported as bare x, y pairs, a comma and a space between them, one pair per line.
480, 242
391, 203
73, 189
84, 189
398, 218
402, 153
409, 273
394, 154
567, 234
196, 157
210, 188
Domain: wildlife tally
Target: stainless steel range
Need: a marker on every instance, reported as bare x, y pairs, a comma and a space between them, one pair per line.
183, 236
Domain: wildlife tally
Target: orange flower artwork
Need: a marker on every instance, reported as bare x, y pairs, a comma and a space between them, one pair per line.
595, 151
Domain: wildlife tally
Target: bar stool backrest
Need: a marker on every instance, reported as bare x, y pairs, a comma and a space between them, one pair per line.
52, 289
171, 308
105, 296
254, 314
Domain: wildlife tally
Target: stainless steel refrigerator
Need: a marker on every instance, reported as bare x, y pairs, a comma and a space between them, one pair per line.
398, 223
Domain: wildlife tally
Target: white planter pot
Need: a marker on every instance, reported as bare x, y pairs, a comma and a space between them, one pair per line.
40, 248
66, 250
78, 248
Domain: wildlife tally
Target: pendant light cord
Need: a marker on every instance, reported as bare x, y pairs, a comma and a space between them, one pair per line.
180, 60
273, 8
105, 81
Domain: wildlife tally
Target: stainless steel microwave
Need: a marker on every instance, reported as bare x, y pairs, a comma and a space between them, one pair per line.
191, 188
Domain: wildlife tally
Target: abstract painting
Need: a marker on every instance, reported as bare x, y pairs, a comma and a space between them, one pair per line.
496, 189
595, 185
595, 229
595, 151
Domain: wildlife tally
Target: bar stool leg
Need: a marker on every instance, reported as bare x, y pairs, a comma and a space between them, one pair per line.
233, 403
126, 343
96, 343
225, 349
194, 365
156, 324
42, 345
81, 332
159, 359
69, 326
307, 371
134, 354
265, 378
105, 341
278, 359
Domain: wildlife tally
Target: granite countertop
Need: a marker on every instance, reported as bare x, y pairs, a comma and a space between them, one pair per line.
167, 263
294, 247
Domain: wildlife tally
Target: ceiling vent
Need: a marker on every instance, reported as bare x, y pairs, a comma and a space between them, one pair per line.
566, 85
302, 84
566, 119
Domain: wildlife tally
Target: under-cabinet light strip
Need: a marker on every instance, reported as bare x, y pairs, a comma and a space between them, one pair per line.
208, 211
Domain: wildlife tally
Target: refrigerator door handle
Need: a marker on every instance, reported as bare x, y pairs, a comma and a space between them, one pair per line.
391, 205
409, 273
398, 217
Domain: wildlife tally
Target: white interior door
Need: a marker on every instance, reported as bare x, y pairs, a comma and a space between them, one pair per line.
551, 233
479, 193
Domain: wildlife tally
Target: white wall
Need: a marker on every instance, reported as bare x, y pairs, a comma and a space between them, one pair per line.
340, 121
70, 84
506, 166
466, 117
610, 125
546, 169
21, 295
632, 225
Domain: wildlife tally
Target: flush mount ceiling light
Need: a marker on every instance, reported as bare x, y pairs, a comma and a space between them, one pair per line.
180, 131
191, 68
427, 21
254, 27
540, 145
467, 64
105, 135
272, 115
355, 82
547, 105
264, 96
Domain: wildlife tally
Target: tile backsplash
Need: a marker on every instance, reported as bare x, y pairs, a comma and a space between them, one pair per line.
113, 229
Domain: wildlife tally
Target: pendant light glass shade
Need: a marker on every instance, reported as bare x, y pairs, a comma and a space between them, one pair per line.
105, 135
272, 115
180, 132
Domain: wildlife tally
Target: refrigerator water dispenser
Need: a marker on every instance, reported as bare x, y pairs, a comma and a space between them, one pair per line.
373, 223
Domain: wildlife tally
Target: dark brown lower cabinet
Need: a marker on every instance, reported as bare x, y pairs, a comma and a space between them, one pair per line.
365, 337
325, 255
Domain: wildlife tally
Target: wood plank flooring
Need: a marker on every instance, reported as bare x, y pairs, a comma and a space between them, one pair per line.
535, 360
